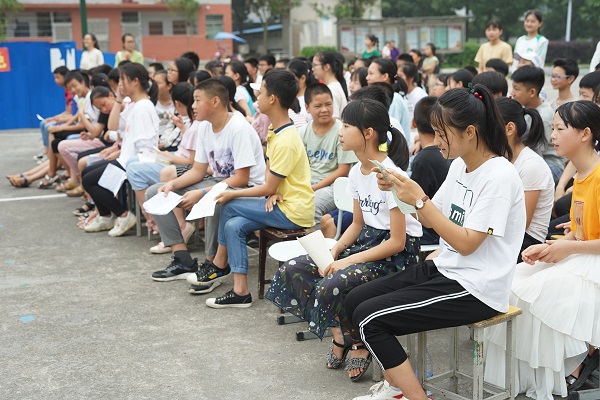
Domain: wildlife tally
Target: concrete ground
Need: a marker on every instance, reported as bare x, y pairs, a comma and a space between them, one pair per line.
80, 317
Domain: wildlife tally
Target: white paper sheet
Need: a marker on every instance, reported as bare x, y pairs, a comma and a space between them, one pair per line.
161, 204
112, 178
316, 247
40, 117
147, 156
206, 206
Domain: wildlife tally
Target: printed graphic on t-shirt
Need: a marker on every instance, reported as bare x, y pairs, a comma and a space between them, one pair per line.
320, 155
367, 205
578, 215
221, 163
457, 215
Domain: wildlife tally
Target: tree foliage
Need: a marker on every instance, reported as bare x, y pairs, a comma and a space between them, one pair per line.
269, 11
344, 8
187, 10
7, 7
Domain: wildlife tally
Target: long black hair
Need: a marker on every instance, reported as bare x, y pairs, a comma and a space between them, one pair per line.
369, 113
302, 68
184, 67
410, 70
138, 71
183, 92
459, 108
238, 67
231, 88
582, 114
512, 111
336, 63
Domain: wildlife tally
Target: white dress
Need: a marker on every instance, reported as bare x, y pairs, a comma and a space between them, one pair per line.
561, 315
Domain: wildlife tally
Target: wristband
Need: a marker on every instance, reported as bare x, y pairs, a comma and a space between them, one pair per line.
204, 192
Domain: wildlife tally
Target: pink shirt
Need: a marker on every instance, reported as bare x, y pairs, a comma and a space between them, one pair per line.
188, 141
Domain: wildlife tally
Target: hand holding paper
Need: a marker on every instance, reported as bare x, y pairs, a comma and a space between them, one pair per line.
162, 205
316, 247
206, 206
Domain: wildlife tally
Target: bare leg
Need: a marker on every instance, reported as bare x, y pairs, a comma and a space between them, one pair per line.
328, 226
405, 379
221, 258
168, 174
240, 284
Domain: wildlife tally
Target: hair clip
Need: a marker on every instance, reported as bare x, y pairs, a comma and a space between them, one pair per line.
471, 88
480, 97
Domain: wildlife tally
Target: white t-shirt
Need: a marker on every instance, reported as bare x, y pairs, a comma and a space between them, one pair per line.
339, 98
236, 146
164, 117
242, 94
413, 98
141, 130
536, 175
376, 204
89, 109
537, 45
399, 110
489, 199
90, 59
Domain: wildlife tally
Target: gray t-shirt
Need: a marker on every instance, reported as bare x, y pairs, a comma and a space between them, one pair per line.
324, 152
548, 152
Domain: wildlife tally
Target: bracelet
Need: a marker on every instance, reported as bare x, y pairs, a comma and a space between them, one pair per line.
204, 192
118, 102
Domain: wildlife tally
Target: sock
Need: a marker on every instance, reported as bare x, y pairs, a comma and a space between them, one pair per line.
185, 257
392, 387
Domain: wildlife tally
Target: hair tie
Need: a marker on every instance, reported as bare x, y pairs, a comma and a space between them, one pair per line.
383, 147
473, 92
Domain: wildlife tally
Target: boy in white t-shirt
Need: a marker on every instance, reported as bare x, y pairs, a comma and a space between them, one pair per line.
325, 155
226, 143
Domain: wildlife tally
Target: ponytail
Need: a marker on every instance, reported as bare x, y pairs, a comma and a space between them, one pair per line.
183, 92
512, 111
459, 108
336, 62
369, 113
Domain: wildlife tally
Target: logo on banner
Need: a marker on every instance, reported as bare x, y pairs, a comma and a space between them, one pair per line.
4, 60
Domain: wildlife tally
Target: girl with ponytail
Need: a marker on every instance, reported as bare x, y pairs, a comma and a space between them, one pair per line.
533, 170
380, 241
479, 213
329, 67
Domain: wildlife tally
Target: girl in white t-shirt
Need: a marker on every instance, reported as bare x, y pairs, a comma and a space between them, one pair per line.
533, 42
479, 213
237, 71
141, 132
410, 73
91, 56
533, 170
329, 68
164, 105
380, 240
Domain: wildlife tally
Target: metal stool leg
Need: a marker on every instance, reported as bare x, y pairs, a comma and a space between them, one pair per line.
478, 360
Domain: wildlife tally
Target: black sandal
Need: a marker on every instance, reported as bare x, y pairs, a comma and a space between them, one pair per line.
590, 364
358, 362
86, 208
332, 361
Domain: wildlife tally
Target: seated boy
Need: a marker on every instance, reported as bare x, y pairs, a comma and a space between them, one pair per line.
496, 64
526, 85
230, 147
494, 81
429, 167
284, 201
564, 73
325, 156
588, 85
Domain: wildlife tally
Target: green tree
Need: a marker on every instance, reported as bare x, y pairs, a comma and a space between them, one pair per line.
187, 10
344, 8
7, 8
239, 11
269, 11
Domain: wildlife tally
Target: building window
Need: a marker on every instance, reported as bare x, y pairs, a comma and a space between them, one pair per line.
214, 25
155, 28
61, 17
44, 25
22, 29
130, 17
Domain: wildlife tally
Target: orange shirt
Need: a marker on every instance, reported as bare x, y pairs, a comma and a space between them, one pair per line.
585, 209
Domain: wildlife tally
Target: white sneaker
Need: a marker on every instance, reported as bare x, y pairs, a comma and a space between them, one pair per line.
382, 391
100, 223
123, 224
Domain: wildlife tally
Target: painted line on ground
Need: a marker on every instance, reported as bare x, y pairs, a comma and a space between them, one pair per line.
48, 196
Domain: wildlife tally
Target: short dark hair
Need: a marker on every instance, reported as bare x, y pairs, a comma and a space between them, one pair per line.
214, 88
252, 61
314, 90
361, 73
193, 57
422, 115
405, 57
530, 76
100, 80
493, 23
498, 65
462, 75
74, 75
157, 66
492, 80
269, 58
569, 65
471, 69
61, 70
590, 81
115, 75
283, 85
582, 114
375, 92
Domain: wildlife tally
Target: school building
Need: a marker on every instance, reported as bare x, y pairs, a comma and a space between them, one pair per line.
160, 34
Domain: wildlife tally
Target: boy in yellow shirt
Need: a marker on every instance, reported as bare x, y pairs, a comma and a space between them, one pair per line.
285, 201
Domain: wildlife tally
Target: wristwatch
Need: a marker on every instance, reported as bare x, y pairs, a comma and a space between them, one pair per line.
421, 202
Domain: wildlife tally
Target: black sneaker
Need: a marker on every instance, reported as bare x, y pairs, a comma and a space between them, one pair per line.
230, 299
202, 289
175, 270
208, 272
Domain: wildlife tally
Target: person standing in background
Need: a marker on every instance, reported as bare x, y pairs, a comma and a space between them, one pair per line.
129, 52
91, 56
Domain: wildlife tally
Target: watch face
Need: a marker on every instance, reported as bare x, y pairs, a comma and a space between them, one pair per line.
419, 204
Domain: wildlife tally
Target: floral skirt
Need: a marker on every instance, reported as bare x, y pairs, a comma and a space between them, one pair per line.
299, 289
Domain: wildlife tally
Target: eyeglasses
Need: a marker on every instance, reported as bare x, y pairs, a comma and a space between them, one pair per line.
172, 70
559, 76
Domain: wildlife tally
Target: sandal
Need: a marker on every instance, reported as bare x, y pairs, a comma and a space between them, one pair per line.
17, 183
84, 209
332, 361
590, 364
358, 362
68, 185
48, 182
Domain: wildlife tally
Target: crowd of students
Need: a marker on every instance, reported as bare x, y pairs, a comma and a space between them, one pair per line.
479, 168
